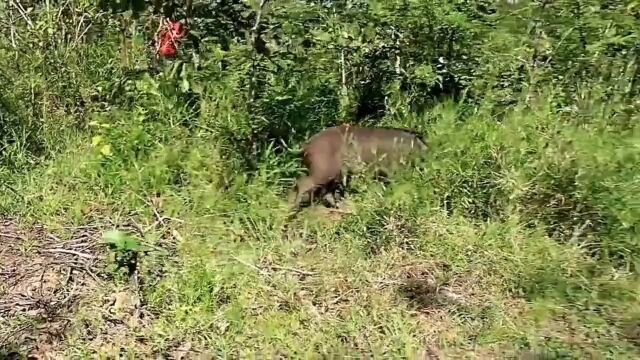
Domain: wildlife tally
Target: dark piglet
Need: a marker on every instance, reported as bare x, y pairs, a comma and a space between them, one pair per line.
339, 151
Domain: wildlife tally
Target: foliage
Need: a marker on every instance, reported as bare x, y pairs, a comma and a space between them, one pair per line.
124, 250
527, 205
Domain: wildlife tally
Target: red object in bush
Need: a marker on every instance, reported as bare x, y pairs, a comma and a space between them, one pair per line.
167, 48
178, 30
170, 37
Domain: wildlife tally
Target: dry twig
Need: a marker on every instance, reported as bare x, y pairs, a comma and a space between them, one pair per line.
12, 236
298, 271
261, 271
72, 252
22, 12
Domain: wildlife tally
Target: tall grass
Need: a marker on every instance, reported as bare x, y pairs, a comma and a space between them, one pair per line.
525, 211
532, 215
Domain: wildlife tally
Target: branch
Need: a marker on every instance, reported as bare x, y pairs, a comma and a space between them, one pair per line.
294, 270
22, 12
344, 73
72, 252
258, 16
262, 272
259, 49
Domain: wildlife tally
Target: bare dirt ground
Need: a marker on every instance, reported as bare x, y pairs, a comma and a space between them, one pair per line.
42, 280
58, 286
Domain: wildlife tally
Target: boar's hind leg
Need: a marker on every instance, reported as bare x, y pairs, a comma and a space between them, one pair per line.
321, 174
331, 193
382, 175
330, 198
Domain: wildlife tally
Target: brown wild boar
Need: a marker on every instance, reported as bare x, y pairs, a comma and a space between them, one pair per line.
339, 151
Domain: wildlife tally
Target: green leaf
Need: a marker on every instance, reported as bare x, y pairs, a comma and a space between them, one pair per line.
113, 237
121, 240
106, 150
96, 140
322, 36
130, 244
184, 85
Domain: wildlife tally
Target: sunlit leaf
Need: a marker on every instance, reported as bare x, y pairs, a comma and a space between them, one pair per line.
106, 150
96, 140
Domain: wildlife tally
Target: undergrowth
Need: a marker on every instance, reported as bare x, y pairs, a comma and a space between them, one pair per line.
530, 273
519, 232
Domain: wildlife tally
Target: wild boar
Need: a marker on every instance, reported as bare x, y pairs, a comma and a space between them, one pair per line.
340, 151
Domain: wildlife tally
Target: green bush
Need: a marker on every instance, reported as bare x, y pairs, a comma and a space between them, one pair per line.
527, 204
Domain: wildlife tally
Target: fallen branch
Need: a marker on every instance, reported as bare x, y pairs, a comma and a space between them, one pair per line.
5, 340
341, 296
84, 227
88, 271
12, 236
6, 306
72, 252
137, 227
159, 217
261, 271
54, 238
258, 16
156, 223
298, 271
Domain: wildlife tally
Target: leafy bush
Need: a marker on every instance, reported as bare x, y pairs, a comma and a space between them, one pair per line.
527, 203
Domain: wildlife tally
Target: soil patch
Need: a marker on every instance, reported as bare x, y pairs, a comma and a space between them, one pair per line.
42, 280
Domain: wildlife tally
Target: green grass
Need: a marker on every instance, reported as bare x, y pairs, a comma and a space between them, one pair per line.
518, 233
531, 222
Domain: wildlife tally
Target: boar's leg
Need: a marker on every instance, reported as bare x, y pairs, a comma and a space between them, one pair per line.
308, 185
332, 190
382, 175
330, 199
317, 192
323, 192
322, 173
346, 181
304, 185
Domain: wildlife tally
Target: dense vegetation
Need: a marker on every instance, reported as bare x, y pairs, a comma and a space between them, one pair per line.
527, 211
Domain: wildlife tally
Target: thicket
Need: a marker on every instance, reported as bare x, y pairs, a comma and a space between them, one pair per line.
258, 80
530, 109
